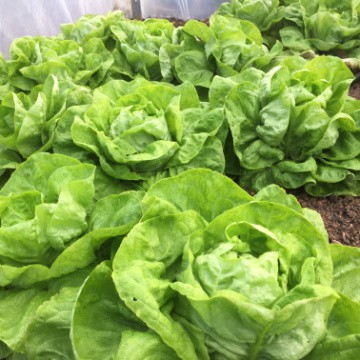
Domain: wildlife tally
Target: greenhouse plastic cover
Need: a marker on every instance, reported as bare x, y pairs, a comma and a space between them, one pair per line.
44, 17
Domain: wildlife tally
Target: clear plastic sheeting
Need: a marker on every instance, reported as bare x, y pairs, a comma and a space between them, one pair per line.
44, 17
179, 9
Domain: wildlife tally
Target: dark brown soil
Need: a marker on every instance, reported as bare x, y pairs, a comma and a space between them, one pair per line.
355, 88
341, 216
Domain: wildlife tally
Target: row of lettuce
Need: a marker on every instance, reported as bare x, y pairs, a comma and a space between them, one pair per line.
90, 270
117, 243
323, 26
146, 100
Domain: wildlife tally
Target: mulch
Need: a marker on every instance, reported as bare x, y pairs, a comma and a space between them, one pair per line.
339, 213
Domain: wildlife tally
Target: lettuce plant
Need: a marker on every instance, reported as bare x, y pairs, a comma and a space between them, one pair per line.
34, 59
294, 126
263, 13
248, 277
70, 224
134, 45
225, 47
326, 26
142, 129
92, 26
27, 122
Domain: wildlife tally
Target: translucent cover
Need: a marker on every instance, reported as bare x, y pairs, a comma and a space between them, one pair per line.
179, 9
44, 17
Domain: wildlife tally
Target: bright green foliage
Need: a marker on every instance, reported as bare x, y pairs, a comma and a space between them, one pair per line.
325, 25
321, 25
131, 48
119, 236
263, 13
27, 122
244, 281
225, 48
208, 272
4, 78
32, 60
140, 129
295, 126
53, 231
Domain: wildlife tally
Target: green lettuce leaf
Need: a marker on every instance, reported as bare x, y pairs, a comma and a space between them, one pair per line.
103, 321
263, 13
343, 335
38, 319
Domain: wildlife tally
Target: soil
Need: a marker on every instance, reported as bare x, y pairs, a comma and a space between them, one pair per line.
340, 215
355, 87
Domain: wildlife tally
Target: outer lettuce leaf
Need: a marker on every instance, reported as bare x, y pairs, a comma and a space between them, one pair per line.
153, 128
278, 195
143, 345
264, 264
346, 261
18, 318
343, 335
179, 194
103, 321
36, 314
48, 334
343, 339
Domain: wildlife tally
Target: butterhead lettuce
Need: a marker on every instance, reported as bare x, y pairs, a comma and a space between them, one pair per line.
143, 129
251, 279
291, 126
